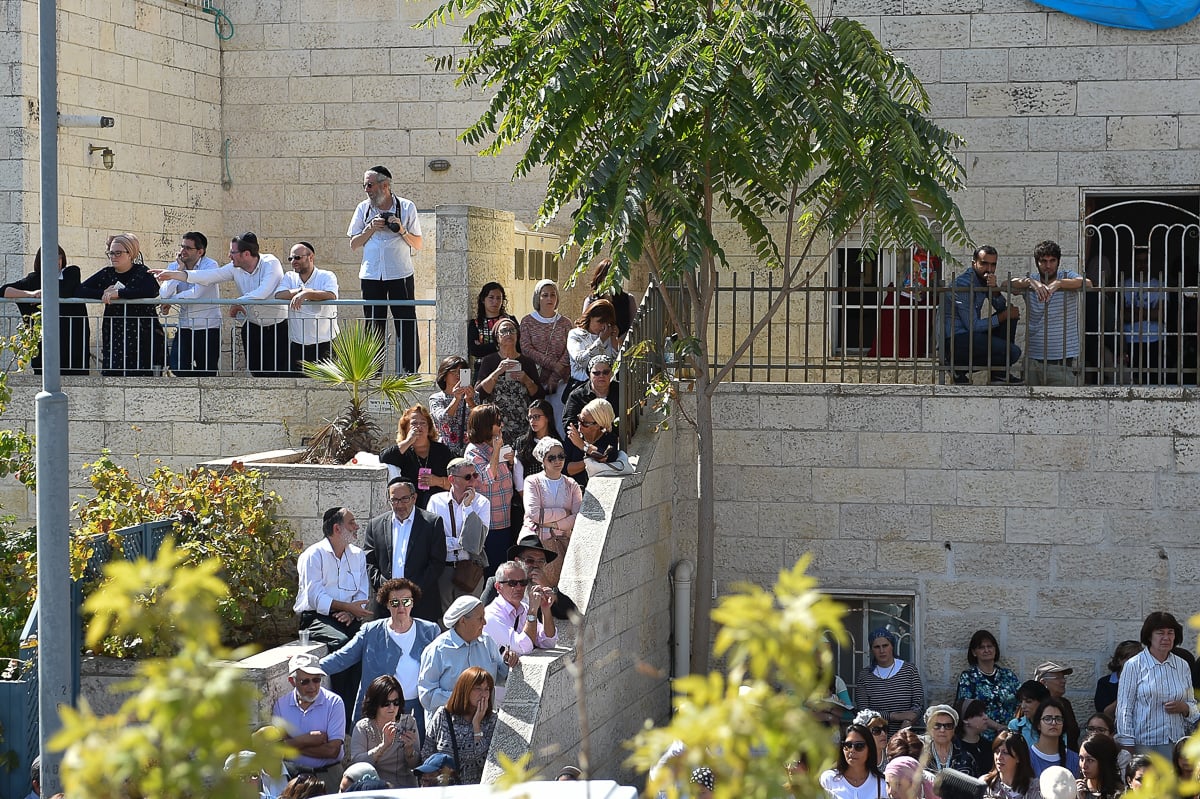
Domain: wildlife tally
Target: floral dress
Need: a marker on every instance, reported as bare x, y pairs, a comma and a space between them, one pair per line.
997, 690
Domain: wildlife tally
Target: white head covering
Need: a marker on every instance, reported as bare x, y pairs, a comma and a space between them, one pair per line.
458, 609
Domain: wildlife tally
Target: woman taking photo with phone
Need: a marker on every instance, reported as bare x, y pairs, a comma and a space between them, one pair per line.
385, 737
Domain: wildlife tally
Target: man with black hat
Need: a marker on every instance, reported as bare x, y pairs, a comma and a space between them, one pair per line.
312, 328
529, 551
388, 230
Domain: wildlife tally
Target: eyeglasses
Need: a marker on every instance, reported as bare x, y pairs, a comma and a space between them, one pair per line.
115, 253
404, 499
555, 458
513, 583
466, 476
1096, 728
534, 561
406, 602
1052, 719
185, 247
369, 185
297, 257
605, 373
392, 703
878, 730
857, 746
586, 423
533, 417
943, 725
306, 681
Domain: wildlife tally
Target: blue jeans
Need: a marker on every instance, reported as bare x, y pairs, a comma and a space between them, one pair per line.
986, 349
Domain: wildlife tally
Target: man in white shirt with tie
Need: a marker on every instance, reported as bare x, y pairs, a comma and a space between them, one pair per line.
407, 542
465, 514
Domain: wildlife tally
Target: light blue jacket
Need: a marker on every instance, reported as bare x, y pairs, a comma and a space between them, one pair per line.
378, 653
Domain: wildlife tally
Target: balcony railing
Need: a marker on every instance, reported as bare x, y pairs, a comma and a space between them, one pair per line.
140, 341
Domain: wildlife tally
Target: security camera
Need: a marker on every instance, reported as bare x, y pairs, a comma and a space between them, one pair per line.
86, 121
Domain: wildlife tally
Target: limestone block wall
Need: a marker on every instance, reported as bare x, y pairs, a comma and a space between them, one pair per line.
1050, 105
617, 572
153, 65
1056, 519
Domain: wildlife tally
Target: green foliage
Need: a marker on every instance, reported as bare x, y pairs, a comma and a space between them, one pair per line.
18, 583
188, 711
755, 714
226, 515
357, 366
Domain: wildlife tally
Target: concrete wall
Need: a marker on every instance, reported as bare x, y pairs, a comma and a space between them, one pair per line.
617, 572
1056, 519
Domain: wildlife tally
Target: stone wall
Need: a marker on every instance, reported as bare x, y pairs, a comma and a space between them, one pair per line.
1056, 519
617, 572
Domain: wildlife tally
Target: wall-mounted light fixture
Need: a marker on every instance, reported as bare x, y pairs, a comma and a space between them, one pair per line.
439, 165
106, 154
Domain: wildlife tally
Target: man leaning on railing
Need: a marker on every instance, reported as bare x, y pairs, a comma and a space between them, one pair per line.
1052, 297
973, 341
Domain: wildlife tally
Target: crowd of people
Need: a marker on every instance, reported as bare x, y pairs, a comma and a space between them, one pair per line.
1005, 732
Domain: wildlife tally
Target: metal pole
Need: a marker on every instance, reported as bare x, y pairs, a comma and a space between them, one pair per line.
54, 588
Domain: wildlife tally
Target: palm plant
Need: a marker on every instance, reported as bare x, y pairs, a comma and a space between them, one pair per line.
357, 366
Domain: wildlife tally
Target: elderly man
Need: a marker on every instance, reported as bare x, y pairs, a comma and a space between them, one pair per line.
314, 721
388, 231
520, 619
534, 557
464, 644
196, 351
1054, 677
312, 328
600, 385
465, 514
332, 598
257, 275
407, 542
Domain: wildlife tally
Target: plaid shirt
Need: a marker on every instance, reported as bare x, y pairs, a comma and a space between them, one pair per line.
498, 490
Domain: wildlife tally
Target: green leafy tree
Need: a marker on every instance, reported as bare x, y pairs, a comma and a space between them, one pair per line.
678, 132
189, 710
357, 366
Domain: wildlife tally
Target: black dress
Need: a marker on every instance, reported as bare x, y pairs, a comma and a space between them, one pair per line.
74, 331
410, 465
609, 444
133, 343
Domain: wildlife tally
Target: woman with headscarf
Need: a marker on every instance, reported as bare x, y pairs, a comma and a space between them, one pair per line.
544, 339
133, 343
463, 645
892, 686
907, 780
944, 751
552, 502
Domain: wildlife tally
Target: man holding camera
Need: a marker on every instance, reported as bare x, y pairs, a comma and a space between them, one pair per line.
512, 619
388, 231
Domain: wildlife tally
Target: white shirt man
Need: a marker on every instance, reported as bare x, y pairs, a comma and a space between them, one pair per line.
464, 511
387, 229
196, 349
311, 328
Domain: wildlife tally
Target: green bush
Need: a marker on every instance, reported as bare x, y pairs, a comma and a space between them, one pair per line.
228, 515
18, 583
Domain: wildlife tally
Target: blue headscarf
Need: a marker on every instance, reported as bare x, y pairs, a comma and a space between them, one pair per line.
884, 632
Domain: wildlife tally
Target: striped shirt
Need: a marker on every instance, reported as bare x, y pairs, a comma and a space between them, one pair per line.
1144, 686
900, 691
1053, 324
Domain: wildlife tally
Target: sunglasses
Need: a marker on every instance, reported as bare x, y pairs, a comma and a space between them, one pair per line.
392, 703
943, 725
406, 602
586, 423
296, 257
304, 681
511, 583
605, 373
857, 746
466, 476
878, 730
555, 458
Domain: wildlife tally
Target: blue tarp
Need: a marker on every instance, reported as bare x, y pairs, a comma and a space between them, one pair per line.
1142, 15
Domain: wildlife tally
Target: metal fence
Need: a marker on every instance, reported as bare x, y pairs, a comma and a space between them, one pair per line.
133, 338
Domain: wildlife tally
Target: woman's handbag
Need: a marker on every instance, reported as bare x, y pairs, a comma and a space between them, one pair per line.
467, 574
618, 467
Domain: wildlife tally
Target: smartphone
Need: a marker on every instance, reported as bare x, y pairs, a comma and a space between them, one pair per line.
423, 478
514, 366
406, 723
464, 377
505, 451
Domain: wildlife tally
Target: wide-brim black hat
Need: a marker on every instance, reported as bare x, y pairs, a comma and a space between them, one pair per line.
531, 542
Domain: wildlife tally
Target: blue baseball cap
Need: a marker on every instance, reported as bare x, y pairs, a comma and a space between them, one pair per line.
435, 763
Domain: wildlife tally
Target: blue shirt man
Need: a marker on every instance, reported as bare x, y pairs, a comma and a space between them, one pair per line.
971, 339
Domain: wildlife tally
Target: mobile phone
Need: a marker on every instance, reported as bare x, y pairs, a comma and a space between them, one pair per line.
505, 451
406, 723
464, 377
423, 478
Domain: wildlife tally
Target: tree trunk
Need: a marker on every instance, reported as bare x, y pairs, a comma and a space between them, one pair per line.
705, 526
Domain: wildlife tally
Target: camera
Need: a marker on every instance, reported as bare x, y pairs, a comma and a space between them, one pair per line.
388, 216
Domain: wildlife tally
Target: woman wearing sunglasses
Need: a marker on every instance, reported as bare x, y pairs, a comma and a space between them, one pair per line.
389, 646
552, 501
856, 775
944, 750
385, 737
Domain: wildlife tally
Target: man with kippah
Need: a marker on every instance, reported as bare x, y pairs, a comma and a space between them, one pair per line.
311, 327
388, 231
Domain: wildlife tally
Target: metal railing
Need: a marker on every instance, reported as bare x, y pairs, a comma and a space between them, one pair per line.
134, 339
646, 350
1135, 332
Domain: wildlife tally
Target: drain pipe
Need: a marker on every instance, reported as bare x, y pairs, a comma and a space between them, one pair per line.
684, 571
